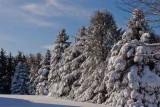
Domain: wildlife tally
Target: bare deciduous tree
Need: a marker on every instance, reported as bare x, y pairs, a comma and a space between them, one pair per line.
151, 9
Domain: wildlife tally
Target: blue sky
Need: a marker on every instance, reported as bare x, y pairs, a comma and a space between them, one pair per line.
32, 25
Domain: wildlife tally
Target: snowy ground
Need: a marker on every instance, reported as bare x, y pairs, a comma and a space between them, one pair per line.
39, 101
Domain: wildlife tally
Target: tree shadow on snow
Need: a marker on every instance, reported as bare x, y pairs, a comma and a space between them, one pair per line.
11, 102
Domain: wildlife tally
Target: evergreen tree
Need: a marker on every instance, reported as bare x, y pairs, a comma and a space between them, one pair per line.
138, 23
20, 80
38, 59
19, 57
60, 45
103, 34
150, 9
42, 79
10, 72
62, 37
30, 60
57, 59
24, 59
82, 32
46, 59
35, 65
3, 70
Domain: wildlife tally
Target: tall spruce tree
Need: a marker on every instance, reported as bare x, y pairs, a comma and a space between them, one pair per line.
138, 23
61, 44
30, 60
137, 26
82, 32
42, 79
3, 70
57, 57
46, 59
35, 65
20, 80
62, 37
103, 34
9, 74
19, 57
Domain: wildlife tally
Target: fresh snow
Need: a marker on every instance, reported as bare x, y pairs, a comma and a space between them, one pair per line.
40, 101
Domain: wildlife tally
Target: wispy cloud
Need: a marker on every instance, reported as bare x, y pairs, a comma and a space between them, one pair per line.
4, 38
11, 9
56, 8
73, 10
50, 47
34, 9
45, 12
38, 21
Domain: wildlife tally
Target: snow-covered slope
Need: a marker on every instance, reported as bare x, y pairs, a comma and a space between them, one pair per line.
39, 101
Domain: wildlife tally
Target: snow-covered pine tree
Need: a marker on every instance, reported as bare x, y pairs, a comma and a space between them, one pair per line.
80, 75
20, 80
138, 25
62, 37
82, 32
34, 62
132, 77
30, 60
74, 77
60, 45
38, 59
125, 80
103, 34
137, 22
42, 79
57, 57
46, 60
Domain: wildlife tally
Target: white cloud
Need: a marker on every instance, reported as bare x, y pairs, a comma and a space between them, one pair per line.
13, 11
34, 8
56, 8
44, 12
38, 21
50, 47
4, 38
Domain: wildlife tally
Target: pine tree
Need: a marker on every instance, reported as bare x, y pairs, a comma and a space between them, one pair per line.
82, 32
20, 80
46, 59
10, 72
30, 60
3, 70
34, 62
62, 37
60, 45
42, 79
19, 57
138, 26
35, 65
57, 59
138, 23
38, 59
102, 34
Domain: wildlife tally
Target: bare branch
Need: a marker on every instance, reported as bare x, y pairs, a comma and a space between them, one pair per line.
151, 8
